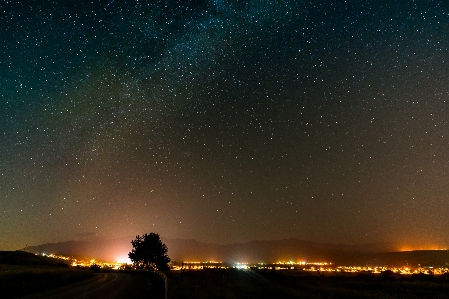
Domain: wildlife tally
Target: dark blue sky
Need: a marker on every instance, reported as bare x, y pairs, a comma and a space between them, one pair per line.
224, 121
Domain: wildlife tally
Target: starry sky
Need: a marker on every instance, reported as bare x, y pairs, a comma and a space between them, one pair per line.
224, 121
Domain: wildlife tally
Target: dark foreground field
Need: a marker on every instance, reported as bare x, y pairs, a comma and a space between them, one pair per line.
19, 280
296, 284
23, 273
38, 282
16, 281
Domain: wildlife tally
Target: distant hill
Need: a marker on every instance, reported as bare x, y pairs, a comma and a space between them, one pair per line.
435, 258
28, 258
254, 251
101, 249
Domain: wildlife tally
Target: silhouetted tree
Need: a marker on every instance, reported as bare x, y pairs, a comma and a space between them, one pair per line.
149, 252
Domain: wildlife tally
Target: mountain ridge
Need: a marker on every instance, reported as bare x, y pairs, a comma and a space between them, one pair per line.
193, 250
255, 251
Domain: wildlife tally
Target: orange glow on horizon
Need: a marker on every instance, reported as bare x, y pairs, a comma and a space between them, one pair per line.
421, 247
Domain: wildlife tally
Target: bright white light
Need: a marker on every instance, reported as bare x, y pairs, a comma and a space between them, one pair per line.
123, 260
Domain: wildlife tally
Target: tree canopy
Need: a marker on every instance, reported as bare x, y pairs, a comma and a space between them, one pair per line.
149, 252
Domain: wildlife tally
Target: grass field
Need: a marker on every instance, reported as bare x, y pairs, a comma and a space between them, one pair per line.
297, 284
19, 280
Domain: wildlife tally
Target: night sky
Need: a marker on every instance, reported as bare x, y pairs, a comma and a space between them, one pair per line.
224, 121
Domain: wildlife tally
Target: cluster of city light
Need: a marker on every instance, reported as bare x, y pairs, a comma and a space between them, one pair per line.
313, 266
304, 263
310, 267
280, 265
195, 265
56, 256
406, 270
87, 263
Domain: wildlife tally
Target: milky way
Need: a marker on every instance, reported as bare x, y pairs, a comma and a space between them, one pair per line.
224, 121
